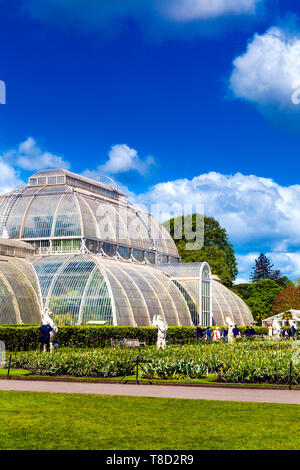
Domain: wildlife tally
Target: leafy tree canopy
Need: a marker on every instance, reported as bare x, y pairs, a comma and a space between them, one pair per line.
259, 296
287, 299
216, 249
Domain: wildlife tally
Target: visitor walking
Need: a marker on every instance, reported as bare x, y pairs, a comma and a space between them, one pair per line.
45, 337
285, 333
208, 334
224, 334
293, 332
236, 332
251, 332
199, 333
216, 334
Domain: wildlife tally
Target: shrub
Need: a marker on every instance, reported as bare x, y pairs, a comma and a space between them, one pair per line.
26, 337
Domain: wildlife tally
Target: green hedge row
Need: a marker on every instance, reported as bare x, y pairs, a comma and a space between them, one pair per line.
26, 337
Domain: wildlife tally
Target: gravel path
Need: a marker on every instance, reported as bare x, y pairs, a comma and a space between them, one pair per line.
160, 391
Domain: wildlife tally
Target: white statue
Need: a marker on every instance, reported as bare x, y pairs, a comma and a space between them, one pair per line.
47, 320
276, 329
230, 328
270, 331
162, 327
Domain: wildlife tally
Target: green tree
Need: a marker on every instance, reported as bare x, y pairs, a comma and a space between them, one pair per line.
259, 297
285, 282
263, 269
216, 249
241, 289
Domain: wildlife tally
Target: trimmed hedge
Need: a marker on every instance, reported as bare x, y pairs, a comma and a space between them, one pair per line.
26, 337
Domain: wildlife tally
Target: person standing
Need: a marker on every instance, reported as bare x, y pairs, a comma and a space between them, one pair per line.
251, 331
224, 334
285, 333
293, 331
236, 332
216, 334
208, 334
45, 337
199, 333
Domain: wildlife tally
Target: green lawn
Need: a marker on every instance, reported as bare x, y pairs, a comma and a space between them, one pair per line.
14, 373
206, 380
70, 421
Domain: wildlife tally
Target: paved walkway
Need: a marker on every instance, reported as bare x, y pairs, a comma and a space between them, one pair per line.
161, 391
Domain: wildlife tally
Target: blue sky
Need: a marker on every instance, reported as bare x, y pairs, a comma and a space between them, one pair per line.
179, 101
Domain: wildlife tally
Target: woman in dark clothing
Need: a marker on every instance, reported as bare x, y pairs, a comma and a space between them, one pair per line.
45, 337
199, 332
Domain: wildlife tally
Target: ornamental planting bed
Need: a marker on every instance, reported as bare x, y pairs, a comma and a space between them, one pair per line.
258, 361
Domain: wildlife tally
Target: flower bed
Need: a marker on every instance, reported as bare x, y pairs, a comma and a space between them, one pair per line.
242, 362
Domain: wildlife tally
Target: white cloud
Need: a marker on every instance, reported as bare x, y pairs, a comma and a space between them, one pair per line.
123, 159
268, 73
29, 156
258, 213
241, 280
251, 207
150, 14
190, 10
9, 177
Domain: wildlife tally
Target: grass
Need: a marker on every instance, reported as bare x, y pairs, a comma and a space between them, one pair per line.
38, 421
14, 373
210, 379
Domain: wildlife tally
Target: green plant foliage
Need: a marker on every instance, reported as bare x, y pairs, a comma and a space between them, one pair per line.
216, 249
259, 297
256, 361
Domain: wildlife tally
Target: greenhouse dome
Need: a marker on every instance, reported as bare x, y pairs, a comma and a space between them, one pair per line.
78, 247
226, 303
59, 212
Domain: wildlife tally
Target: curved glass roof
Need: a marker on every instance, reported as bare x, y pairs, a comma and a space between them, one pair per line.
83, 288
19, 299
226, 303
62, 211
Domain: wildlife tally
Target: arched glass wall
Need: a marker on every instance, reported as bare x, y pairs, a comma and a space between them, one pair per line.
190, 303
19, 299
82, 288
74, 289
195, 279
226, 303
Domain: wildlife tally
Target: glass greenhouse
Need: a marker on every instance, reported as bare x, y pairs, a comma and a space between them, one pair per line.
78, 247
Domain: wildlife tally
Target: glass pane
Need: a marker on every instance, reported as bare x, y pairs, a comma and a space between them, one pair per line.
138, 254
41, 181
52, 180
124, 252
109, 249
150, 257
67, 218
